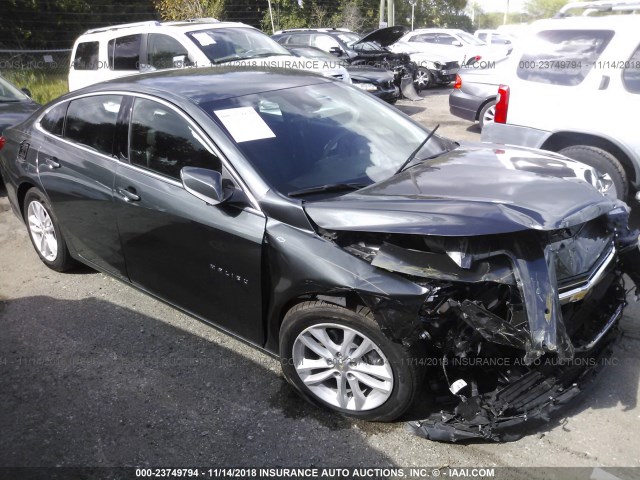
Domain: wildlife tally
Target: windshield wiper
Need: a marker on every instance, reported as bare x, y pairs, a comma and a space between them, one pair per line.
332, 187
415, 152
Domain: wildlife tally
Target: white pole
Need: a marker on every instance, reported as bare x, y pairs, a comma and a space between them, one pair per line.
413, 7
506, 14
273, 28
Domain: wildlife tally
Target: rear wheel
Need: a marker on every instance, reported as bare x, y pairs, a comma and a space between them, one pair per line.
613, 177
487, 114
340, 359
45, 233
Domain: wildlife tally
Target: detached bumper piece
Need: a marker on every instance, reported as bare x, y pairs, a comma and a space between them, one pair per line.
511, 411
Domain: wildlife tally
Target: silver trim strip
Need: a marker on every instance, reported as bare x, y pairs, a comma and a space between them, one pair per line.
614, 318
578, 293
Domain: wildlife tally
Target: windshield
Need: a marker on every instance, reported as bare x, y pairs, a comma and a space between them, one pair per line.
228, 44
9, 93
322, 134
470, 39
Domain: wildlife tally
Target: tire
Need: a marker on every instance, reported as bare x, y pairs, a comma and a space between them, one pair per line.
44, 232
487, 114
393, 376
423, 79
603, 162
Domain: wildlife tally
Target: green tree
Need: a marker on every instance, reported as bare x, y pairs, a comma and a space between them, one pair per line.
537, 9
55, 24
183, 9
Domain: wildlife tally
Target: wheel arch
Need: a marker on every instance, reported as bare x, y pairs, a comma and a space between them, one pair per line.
482, 105
21, 193
559, 140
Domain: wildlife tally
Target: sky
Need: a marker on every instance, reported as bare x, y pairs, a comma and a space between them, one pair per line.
500, 5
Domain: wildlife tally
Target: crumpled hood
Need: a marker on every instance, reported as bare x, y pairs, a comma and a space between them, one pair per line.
385, 36
476, 189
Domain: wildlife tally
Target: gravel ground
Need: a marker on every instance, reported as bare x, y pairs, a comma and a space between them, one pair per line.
95, 373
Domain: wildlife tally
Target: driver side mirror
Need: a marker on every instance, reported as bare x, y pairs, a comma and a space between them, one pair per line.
26, 91
337, 51
204, 184
456, 43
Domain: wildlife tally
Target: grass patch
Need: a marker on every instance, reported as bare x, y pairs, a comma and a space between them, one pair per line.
43, 87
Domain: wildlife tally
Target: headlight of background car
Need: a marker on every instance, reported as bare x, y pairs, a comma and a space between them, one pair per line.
369, 87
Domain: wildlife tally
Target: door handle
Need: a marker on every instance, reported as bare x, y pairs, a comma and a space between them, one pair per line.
52, 162
129, 194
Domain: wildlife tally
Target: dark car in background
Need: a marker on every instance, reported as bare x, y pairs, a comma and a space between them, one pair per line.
368, 50
15, 105
475, 91
323, 226
377, 81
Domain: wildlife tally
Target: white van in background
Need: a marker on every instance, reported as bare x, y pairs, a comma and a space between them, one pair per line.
106, 53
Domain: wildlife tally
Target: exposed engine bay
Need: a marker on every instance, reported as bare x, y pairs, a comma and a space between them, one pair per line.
515, 324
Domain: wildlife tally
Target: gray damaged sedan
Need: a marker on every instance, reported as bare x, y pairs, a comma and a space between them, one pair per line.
317, 223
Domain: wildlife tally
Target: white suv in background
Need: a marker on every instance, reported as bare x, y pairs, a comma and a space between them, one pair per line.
575, 89
105, 53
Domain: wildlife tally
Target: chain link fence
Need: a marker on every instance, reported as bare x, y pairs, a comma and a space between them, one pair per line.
43, 72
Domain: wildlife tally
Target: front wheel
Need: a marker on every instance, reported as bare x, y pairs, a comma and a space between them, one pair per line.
613, 178
340, 359
45, 233
423, 79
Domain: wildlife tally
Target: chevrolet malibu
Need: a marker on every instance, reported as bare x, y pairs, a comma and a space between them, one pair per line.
377, 259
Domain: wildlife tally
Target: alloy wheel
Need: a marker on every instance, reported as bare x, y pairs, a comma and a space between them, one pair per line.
342, 367
42, 231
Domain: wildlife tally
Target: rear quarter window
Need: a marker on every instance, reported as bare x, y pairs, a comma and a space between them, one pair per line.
631, 72
53, 121
562, 57
86, 57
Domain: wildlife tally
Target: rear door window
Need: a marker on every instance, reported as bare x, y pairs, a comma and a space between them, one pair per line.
124, 52
298, 40
91, 121
86, 56
631, 72
562, 57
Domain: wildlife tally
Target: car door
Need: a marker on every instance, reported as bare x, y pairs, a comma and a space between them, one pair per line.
77, 171
202, 258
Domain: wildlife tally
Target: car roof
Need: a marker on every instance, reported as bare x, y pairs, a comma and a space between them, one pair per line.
608, 22
437, 30
200, 85
157, 27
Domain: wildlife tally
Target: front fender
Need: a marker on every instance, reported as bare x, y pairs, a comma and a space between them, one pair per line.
299, 263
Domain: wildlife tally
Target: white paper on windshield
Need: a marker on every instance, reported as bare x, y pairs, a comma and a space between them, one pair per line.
204, 39
244, 124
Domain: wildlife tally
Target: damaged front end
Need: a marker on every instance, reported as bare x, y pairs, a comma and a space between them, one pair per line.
514, 324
